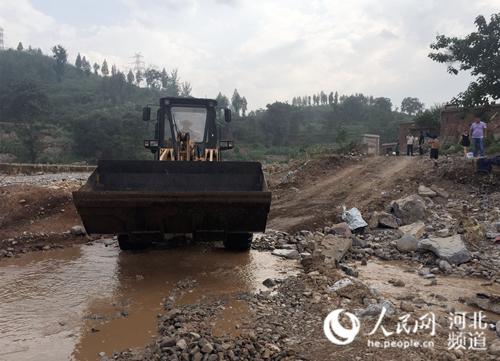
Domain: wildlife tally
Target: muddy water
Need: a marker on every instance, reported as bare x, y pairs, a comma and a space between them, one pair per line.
70, 304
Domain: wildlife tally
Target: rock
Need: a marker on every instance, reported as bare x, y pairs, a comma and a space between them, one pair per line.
498, 328
440, 191
373, 223
356, 242
207, 348
407, 243
78, 231
341, 230
306, 233
426, 192
269, 283
442, 233
410, 209
181, 344
494, 348
374, 310
350, 271
287, 253
429, 276
387, 220
495, 226
336, 247
441, 298
340, 283
491, 304
398, 283
445, 267
418, 300
424, 271
167, 342
375, 292
450, 249
416, 229
406, 307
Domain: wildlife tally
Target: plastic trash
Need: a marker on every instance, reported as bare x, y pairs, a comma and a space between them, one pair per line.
470, 155
353, 218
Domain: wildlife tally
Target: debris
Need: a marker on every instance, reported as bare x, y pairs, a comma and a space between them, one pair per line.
353, 218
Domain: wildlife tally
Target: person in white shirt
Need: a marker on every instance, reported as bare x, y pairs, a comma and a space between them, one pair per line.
409, 144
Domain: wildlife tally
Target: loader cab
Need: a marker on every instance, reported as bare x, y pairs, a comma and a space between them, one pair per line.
186, 129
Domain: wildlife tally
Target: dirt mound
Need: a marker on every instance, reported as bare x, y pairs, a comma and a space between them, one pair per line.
309, 194
37, 215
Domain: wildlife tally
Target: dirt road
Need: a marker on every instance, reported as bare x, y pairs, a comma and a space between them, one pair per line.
313, 196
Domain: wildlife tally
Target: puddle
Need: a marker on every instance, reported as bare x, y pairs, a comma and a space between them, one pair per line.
69, 304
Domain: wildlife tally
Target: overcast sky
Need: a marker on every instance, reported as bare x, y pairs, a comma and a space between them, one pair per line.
270, 50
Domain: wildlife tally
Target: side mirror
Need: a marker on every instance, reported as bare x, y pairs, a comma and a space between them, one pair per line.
227, 115
146, 114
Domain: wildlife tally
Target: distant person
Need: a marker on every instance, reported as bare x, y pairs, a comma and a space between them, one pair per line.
409, 144
434, 142
478, 130
421, 141
465, 141
397, 149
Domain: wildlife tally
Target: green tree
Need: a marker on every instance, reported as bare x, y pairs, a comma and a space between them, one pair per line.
341, 138
139, 76
96, 68
78, 61
186, 89
429, 118
104, 68
222, 102
479, 53
87, 68
61, 56
236, 102
20, 46
130, 77
29, 107
411, 105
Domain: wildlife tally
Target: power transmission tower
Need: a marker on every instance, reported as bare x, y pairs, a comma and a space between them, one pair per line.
1, 39
138, 63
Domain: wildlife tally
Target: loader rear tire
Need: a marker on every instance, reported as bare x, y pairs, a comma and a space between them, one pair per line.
239, 242
126, 245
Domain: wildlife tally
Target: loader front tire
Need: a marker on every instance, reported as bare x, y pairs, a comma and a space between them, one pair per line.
239, 242
126, 245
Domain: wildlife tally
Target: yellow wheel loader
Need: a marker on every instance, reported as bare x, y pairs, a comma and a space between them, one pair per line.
186, 189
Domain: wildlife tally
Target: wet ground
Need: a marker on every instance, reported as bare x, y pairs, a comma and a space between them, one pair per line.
74, 303
377, 274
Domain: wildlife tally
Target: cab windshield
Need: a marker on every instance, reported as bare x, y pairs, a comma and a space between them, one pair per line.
190, 120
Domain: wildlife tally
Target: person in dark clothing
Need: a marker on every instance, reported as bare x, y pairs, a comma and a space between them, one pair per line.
421, 139
465, 141
398, 149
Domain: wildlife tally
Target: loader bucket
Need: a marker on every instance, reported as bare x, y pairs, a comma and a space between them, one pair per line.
141, 198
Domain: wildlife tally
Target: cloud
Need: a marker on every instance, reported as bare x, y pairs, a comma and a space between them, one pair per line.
268, 50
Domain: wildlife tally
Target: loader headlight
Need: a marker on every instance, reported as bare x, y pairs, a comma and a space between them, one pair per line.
226, 144
151, 143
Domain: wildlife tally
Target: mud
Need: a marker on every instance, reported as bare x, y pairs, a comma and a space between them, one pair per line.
76, 302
